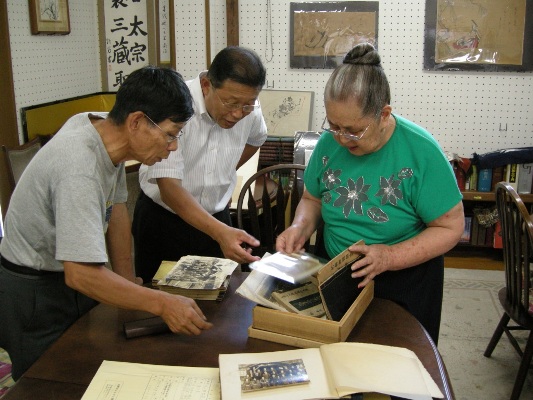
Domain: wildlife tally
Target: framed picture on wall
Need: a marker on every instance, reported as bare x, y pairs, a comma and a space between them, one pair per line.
49, 17
484, 35
322, 33
164, 24
286, 111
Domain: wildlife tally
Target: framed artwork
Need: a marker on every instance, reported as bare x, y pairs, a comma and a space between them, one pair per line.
322, 33
127, 39
286, 111
49, 17
484, 35
165, 32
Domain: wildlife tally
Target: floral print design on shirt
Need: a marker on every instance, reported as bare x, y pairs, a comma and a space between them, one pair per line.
405, 173
389, 191
331, 178
351, 197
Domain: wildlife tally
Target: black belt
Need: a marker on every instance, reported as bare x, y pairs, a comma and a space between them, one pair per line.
20, 269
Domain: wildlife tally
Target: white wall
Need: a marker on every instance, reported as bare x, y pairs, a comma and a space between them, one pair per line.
49, 68
462, 109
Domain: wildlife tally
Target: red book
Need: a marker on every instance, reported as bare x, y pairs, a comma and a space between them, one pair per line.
497, 176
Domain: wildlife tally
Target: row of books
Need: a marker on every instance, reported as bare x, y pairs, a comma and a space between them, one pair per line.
476, 234
276, 150
519, 176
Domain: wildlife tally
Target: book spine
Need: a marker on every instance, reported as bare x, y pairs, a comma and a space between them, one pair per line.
497, 176
475, 230
511, 175
459, 176
498, 242
489, 238
525, 178
484, 182
465, 237
473, 178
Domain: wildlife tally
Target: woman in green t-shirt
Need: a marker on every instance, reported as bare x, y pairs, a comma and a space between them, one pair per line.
376, 176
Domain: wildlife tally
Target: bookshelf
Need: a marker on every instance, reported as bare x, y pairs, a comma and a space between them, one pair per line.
484, 255
470, 195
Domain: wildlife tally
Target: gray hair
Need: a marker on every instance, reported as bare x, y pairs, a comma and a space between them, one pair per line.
360, 77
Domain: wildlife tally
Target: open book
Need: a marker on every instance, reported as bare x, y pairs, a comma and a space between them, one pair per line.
336, 370
132, 381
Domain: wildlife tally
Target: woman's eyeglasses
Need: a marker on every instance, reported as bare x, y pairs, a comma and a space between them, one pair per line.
348, 135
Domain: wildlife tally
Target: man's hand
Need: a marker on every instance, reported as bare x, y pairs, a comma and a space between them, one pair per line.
232, 240
182, 315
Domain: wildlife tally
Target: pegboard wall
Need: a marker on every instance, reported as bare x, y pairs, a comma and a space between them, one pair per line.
467, 112
48, 68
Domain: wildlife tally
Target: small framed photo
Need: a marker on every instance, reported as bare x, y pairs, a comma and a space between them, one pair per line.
49, 17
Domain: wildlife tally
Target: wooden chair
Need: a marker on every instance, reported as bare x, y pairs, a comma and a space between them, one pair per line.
17, 158
517, 236
269, 212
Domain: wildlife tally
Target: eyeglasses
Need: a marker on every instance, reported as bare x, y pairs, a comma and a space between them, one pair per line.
338, 132
170, 138
247, 108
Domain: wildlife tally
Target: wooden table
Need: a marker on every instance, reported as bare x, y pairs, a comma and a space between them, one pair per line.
65, 370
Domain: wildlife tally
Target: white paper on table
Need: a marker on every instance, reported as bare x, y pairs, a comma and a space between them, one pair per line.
131, 381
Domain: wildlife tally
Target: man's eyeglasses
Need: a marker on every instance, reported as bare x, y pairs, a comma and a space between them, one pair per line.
339, 132
247, 108
170, 138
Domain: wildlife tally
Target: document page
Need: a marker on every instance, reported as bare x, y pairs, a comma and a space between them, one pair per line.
362, 367
130, 381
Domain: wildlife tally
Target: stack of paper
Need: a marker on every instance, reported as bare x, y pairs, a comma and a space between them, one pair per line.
196, 277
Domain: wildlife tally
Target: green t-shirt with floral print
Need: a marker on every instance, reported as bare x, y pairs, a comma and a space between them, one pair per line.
384, 197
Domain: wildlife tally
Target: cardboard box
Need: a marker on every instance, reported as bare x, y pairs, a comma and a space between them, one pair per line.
303, 331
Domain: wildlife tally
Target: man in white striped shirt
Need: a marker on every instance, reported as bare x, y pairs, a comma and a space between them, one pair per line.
183, 208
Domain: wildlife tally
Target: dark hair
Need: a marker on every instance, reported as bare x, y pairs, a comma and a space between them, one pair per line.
238, 64
360, 77
158, 92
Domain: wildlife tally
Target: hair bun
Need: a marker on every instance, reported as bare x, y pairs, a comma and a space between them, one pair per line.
362, 54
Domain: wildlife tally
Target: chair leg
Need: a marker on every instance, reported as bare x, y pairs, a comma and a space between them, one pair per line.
497, 334
524, 367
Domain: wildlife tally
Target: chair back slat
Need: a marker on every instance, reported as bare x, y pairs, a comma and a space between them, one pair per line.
270, 213
517, 239
254, 218
281, 201
267, 239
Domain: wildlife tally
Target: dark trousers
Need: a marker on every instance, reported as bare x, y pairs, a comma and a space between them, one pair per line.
159, 234
419, 290
35, 310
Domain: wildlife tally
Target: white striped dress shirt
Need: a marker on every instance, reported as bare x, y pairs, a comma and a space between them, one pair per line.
207, 156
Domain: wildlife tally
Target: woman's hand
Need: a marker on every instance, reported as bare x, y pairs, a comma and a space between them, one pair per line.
291, 240
377, 258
